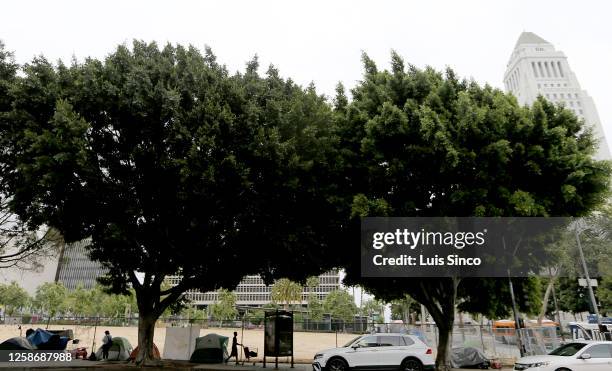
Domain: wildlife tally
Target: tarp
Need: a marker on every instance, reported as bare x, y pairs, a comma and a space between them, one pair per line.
156, 354
17, 343
46, 340
468, 357
119, 351
180, 342
211, 348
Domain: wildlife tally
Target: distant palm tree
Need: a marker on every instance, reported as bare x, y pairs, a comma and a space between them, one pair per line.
286, 291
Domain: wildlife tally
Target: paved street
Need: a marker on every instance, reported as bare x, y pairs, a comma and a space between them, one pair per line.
177, 365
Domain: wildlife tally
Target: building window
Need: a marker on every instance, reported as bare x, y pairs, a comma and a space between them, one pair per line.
576, 95
547, 95
580, 111
555, 96
571, 103
539, 86
562, 96
578, 103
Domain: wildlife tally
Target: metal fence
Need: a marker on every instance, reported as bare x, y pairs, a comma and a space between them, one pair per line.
500, 343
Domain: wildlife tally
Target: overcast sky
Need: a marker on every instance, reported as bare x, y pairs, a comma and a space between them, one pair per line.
321, 41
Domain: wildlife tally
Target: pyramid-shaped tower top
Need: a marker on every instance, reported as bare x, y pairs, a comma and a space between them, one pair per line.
530, 38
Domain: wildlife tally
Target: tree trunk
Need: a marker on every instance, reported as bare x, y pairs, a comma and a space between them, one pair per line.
439, 300
545, 301
146, 330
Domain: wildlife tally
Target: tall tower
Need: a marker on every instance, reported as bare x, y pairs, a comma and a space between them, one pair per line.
536, 68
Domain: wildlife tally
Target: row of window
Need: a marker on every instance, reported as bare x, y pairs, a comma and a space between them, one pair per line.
240, 297
552, 85
564, 96
547, 69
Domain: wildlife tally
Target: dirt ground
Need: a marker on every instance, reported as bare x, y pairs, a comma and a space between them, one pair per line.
306, 344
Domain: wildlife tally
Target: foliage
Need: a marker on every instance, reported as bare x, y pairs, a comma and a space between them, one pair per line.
286, 291
571, 297
604, 293
225, 306
374, 309
401, 309
341, 305
424, 143
50, 298
315, 308
13, 297
173, 166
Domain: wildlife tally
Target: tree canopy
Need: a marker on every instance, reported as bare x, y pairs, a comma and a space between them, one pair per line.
172, 166
425, 143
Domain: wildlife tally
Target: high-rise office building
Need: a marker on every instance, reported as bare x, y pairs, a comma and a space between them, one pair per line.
75, 268
536, 68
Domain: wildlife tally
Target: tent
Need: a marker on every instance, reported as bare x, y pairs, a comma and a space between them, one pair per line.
211, 348
46, 340
156, 354
469, 357
17, 343
119, 351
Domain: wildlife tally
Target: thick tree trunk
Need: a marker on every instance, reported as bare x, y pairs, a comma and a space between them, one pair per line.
146, 330
439, 299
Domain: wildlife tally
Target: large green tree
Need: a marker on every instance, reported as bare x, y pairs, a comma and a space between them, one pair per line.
286, 292
424, 143
224, 308
173, 166
13, 297
340, 305
50, 298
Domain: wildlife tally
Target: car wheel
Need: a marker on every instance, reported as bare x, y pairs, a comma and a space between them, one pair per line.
412, 364
563, 369
337, 364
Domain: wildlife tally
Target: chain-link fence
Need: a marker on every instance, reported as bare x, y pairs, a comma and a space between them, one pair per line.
500, 343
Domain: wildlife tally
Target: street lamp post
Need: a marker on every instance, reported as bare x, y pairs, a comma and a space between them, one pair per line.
588, 279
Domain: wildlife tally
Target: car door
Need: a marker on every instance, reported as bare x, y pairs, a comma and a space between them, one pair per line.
390, 351
362, 352
600, 358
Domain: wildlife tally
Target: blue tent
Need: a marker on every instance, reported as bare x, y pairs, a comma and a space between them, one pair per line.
43, 339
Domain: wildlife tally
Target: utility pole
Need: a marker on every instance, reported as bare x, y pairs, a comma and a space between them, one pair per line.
517, 323
588, 279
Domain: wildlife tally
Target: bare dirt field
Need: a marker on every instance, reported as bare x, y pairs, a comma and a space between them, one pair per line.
306, 344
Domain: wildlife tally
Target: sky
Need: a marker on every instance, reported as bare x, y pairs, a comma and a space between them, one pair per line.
321, 41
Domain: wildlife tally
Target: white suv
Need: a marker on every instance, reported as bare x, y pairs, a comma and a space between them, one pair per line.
377, 352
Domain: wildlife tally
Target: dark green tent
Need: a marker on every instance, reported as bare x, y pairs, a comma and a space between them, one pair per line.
211, 348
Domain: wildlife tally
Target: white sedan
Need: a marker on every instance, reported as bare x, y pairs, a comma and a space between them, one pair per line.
377, 352
574, 356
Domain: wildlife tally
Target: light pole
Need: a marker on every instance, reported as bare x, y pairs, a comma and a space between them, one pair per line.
586, 274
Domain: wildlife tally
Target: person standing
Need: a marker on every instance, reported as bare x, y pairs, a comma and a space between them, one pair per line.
234, 352
107, 342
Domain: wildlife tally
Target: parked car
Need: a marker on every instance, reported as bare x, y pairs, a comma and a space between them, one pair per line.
574, 356
377, 352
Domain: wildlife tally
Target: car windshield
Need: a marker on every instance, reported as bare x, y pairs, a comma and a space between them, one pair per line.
351, 342
567, 350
